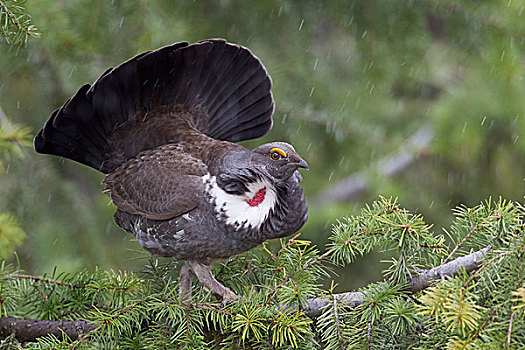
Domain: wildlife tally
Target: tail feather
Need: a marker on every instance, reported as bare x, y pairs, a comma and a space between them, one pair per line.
223, 101
226, 80
247, 108
62, 133
239, 71
249, 116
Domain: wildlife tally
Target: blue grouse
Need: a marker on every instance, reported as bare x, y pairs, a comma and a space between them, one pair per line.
162, 126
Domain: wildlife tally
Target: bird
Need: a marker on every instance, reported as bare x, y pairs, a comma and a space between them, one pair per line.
163, 128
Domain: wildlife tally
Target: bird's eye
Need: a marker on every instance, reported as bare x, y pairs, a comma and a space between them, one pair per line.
275, 155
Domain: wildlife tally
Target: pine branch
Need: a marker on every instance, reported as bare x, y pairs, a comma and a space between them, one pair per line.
15, 23
60, 283
308, 265
29, 330
423, 280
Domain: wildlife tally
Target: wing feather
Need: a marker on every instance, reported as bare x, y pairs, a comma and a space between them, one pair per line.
159, 184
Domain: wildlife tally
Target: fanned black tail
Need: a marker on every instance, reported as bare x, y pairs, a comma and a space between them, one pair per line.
226, 80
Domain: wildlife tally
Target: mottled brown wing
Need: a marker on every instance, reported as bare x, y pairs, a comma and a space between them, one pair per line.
158, 184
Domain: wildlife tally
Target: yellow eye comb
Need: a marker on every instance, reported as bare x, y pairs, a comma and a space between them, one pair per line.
280, 151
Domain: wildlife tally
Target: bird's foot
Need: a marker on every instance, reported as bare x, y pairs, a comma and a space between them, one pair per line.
203, 273
185, 278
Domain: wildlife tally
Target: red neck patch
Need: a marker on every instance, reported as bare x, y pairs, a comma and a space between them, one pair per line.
258, 198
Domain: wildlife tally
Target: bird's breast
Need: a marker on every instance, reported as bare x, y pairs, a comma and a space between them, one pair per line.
249, 209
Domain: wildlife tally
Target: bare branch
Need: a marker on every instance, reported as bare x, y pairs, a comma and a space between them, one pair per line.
468, 263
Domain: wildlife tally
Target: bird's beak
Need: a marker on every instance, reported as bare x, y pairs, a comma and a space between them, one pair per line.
303, 164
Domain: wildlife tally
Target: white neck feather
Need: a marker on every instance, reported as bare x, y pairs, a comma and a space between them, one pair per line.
236, 207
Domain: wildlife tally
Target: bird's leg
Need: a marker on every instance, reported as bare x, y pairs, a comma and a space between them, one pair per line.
203, 273
185, 278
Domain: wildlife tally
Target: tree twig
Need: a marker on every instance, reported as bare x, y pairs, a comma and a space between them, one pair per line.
485, 265
288, 245
460, 244
304, 267
11, 17
336, 316
60, 283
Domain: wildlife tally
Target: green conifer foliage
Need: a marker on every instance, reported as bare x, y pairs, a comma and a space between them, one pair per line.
16, 25
477, 301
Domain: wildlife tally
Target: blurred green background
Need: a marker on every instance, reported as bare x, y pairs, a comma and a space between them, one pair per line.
420, 100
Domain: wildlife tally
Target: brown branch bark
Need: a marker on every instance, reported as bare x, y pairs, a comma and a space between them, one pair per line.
29, 330
25, 330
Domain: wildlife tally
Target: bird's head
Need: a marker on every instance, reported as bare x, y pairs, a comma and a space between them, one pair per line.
278, 160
